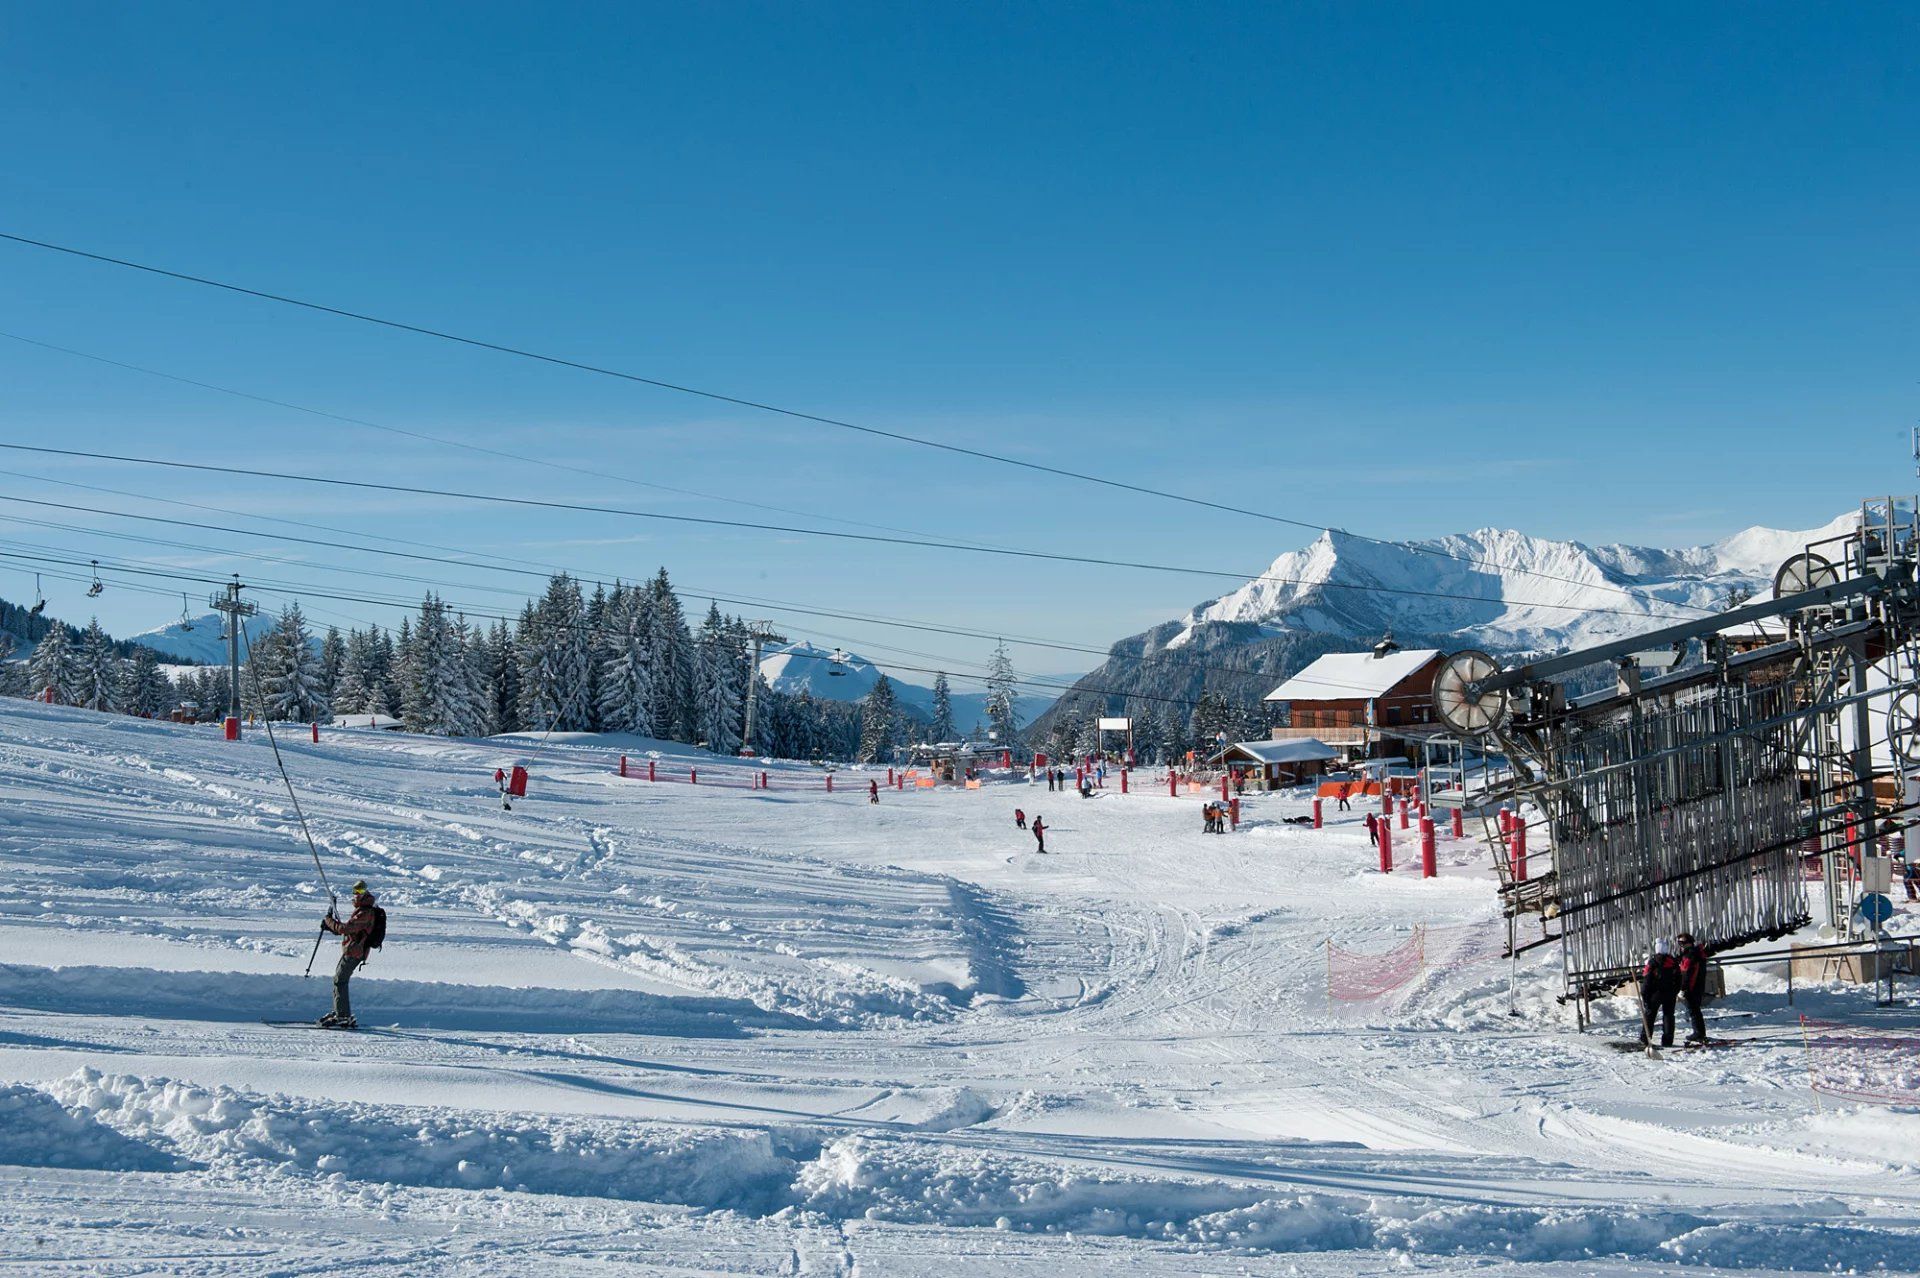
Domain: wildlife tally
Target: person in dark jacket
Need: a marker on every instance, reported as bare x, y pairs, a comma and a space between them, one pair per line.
1039, 834
354, 934
1693, 985
873, 792
1659, 988
1910, 877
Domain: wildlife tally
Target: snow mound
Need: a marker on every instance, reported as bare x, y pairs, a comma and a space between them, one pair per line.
37, 1130
125, 1122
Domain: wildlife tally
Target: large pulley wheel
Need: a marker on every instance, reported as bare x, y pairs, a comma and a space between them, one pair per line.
1807, 570
1903, 728
1466, 710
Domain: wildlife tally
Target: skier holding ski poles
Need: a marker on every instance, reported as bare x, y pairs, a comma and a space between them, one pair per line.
359, 932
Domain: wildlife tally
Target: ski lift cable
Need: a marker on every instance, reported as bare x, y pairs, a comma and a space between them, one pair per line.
719, 596
504, 499
259, 691
296, 593
299, 592
736, 400
502, 454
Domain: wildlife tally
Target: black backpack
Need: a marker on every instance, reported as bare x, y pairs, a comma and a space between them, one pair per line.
378, 936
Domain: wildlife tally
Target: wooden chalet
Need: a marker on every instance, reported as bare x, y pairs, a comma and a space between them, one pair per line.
1357, 700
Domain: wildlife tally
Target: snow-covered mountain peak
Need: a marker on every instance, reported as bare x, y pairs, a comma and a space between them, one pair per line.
1499, 587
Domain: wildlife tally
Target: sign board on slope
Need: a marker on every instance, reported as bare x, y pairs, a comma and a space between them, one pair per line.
1875, 909
1116, 725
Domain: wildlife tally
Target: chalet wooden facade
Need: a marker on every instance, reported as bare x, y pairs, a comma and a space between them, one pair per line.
1357, 700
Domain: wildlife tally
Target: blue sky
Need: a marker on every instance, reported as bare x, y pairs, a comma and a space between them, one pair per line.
1638, 274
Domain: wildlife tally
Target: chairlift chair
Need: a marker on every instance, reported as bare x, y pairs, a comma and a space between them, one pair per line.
39, 598
837, 662
93, 591
186, 622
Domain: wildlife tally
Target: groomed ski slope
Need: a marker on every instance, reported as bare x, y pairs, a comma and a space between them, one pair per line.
662, 1028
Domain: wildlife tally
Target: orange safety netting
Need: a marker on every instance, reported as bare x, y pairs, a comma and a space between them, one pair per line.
1354, 977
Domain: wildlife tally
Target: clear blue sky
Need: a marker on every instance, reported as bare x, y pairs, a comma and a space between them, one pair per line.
1632, 273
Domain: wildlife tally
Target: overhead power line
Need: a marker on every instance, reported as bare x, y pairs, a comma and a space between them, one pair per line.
447, 442
560, 361
294, 590
709, 521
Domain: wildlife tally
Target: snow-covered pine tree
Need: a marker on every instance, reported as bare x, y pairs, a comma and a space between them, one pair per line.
564, 612
333, 656
942, 727
675, 665
96, 673
440, 696
596, 620
1003, 714
626, 674
291, 674
481, 698
879, 717
144, 690
399, 669
719, 673
1148, 734
54, 667
350, 689
763, 719
503, 678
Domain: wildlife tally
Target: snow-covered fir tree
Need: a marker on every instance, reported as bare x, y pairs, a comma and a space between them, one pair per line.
553, 646
722, 670
942, 727
51, 668
503, 678
144, 689
356, 661
675, 665
291, 677
333, 656
1003, 713
96, 673
440, 696
626, 672
763, 717
879, 721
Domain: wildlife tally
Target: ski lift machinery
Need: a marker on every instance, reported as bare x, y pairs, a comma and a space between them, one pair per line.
1687, 797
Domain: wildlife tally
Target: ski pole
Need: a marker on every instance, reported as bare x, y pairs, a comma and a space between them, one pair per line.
316, 952
333, 904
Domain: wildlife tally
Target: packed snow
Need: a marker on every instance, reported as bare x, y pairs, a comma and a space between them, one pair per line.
713, 1028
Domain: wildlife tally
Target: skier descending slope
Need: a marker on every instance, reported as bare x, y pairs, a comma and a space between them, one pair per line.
362, 931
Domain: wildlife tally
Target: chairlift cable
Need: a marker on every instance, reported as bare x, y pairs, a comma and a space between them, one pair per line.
708, 521
736, 400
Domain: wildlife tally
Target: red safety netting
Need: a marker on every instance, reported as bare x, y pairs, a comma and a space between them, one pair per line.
1871, 1063
1354, 977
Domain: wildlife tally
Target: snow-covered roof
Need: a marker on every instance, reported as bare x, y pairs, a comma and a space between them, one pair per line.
1342, 676
1298, 750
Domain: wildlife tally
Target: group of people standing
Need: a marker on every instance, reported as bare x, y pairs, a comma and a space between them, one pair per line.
1214, 817
1676, 970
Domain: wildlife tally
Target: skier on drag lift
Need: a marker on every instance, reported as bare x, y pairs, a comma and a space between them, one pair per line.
500, 780
362, 931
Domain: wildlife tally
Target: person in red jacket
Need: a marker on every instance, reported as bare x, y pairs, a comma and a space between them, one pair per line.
1039, 833
354, 933
1019, 819
1693, 986
873, 792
